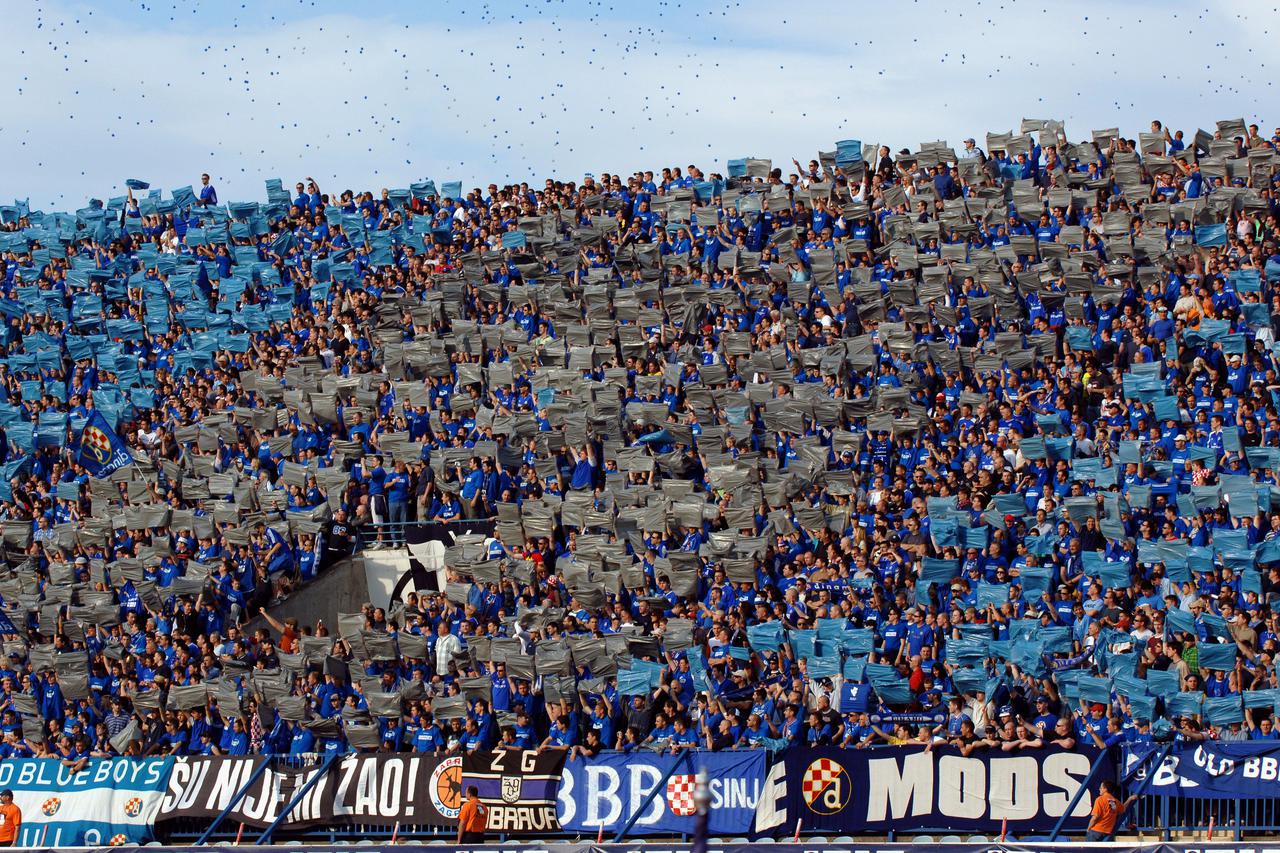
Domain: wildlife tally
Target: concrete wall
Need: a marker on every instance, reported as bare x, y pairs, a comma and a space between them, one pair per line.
382, 570
341, 588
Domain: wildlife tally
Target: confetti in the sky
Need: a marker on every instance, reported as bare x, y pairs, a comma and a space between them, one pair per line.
385, 94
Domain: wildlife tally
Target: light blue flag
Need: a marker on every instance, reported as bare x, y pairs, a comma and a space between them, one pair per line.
803, 643
765, 637
1246, 280
938, 571
848, 152
1079, 337
1220, 656
1211, 235
823, 666
1179, 622
1261, 698
992, 593
1163, 683
1094, 689
858, 641
633, 682
895, 692
1224, 710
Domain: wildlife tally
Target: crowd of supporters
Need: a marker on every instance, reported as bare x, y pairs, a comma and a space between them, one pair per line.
973, 448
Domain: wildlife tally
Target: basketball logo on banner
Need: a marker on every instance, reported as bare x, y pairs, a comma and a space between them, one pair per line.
446, 787
680, 789
825, 786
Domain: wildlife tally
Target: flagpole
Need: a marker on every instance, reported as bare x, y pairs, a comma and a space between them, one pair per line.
702, 802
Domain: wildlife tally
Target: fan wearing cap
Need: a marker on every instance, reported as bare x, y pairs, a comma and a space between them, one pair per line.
1237, 373
1046, 718
1091, 720
1111, 735
1180, 456
1065, 606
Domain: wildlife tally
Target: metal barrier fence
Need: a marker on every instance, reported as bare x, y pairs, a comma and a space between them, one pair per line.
399, 533
1233, 818
185, 831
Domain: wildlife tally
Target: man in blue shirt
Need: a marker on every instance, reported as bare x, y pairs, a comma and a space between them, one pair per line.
472, 483
429, 738
397, 486
919, 634
303, 741
525, 736
584, 469
234, 740
208, 196
892, 633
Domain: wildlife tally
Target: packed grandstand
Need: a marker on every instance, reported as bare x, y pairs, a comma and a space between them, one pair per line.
973, 447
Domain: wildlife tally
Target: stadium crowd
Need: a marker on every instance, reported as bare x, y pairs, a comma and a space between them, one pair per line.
929, 447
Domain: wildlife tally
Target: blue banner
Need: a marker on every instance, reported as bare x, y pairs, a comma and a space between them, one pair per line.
878, 790
1207, 770
608, 790
109, 802
101, 451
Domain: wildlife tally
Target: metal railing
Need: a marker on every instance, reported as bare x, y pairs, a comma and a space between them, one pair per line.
396, 533
1226, 819
189, 830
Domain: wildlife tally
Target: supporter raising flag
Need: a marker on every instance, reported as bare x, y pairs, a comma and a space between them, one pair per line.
101, 451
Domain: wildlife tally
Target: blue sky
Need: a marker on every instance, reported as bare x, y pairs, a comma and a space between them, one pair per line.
372, 94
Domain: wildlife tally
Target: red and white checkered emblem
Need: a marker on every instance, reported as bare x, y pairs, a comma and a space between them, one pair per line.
680, 791
825, 786
96, 442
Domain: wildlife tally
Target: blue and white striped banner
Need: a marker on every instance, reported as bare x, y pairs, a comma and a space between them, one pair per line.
109, 802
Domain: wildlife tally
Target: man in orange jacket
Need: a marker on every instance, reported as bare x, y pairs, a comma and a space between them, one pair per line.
472, 818
1107, 810
10, 819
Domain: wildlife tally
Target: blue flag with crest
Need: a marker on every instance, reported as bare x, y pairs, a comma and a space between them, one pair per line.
101, 451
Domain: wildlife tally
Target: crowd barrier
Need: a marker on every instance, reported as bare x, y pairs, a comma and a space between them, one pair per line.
744, 845
1203, 788
400, 533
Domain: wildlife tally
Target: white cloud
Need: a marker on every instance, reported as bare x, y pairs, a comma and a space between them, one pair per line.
370, 101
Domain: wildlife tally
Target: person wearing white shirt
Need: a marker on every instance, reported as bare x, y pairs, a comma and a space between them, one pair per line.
447, 645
